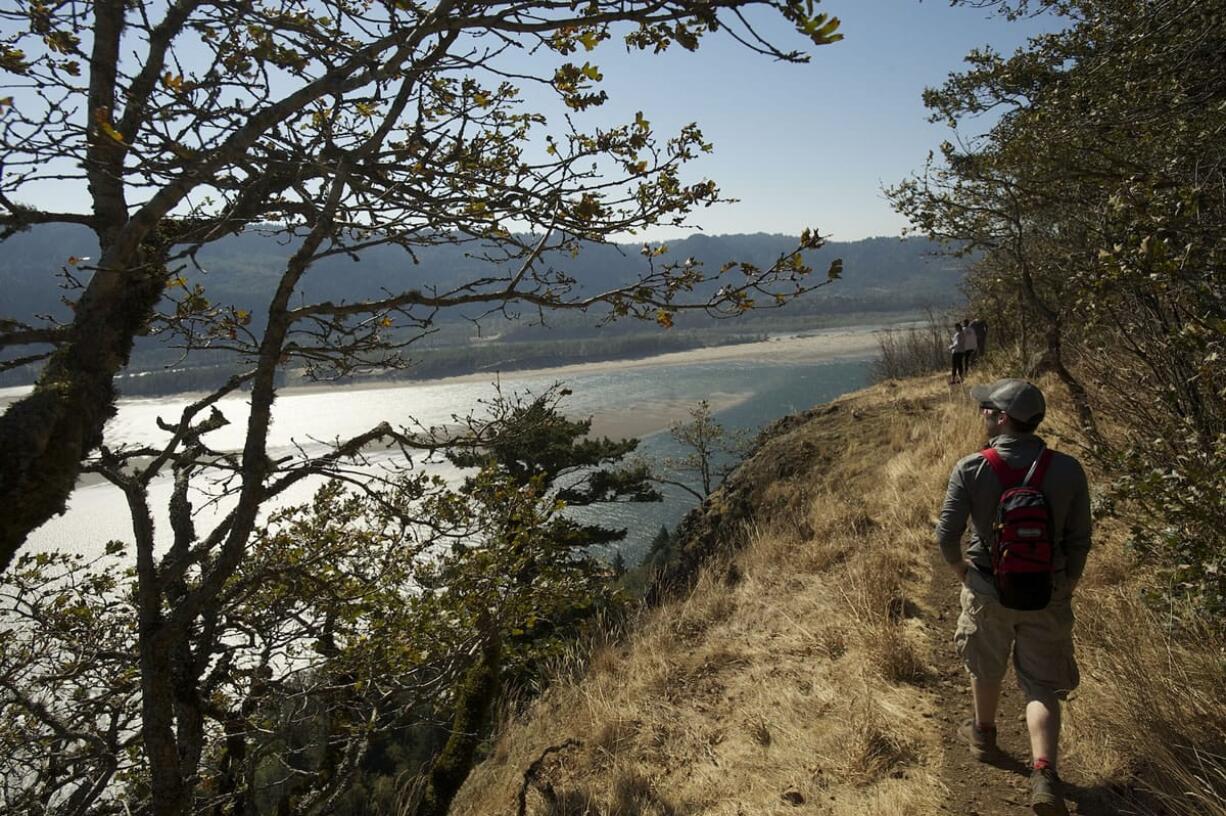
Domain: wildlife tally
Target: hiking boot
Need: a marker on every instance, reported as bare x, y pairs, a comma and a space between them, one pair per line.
982, 743
1045, 797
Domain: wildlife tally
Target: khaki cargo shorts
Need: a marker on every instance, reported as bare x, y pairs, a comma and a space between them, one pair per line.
1042, 644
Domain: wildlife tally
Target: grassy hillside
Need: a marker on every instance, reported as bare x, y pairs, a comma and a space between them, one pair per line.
810, 669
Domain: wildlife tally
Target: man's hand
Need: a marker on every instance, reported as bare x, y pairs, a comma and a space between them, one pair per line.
962, 567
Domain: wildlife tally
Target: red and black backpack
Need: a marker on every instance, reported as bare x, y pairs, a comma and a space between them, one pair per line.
1022, 546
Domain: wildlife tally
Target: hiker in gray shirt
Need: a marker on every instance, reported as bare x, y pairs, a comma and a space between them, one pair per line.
1041, 640
970, 345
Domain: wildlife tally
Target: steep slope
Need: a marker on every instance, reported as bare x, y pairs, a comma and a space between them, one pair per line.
809, 668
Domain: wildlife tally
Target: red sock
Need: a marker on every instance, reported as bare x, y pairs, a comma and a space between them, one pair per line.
984, 728
1042, 763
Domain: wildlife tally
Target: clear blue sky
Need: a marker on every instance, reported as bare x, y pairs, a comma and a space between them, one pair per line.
799, 145
811, 145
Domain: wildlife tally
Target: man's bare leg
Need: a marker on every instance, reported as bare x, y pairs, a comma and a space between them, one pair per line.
1043, 722
986, 697
980, 732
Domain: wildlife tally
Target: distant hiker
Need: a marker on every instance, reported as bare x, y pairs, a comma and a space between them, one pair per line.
970, 345
957, 354
980, 328
1027, 550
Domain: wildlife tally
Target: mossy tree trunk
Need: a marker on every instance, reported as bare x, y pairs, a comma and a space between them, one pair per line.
475, 700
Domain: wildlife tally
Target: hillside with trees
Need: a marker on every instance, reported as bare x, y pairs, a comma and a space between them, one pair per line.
241, 272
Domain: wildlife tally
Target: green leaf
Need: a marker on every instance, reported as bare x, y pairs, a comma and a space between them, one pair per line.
590, 39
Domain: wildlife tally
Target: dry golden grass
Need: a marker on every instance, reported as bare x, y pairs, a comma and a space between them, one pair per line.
793, 676
874, 748
1151, 710
788, 676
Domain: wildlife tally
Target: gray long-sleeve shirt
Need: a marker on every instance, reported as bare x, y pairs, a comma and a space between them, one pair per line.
974, 491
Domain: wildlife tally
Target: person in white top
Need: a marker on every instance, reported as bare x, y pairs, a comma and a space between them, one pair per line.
957, 352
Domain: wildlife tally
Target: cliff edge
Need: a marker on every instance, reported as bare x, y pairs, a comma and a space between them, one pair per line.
799, 657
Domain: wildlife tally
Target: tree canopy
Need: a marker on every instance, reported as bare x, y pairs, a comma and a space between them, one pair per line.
1097, 197
340, 126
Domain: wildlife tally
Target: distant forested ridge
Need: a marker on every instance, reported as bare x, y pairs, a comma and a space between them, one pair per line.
242, 270
39, 269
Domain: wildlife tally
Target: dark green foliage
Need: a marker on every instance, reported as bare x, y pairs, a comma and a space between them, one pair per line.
660, 552
535, 584
618, 565
636, 580
1099, 201
367, 637
529, 439
535, 463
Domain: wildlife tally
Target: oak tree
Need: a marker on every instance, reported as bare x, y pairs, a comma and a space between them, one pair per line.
1097, 196
339, 127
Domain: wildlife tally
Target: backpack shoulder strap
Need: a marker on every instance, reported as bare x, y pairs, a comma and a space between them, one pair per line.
1039, 469
1007, 475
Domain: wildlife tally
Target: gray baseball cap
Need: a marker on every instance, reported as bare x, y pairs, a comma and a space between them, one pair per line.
1017, 398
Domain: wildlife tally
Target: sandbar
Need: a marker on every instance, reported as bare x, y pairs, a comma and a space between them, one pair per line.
827, 345
819, 346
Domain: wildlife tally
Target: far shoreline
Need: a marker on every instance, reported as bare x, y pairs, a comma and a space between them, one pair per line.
818, 346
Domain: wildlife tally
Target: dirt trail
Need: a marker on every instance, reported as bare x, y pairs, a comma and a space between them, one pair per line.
1002, 787
811, 670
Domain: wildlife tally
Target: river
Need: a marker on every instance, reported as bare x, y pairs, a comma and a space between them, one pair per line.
748, 385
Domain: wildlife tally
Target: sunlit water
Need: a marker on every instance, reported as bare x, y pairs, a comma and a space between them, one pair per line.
758, 390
